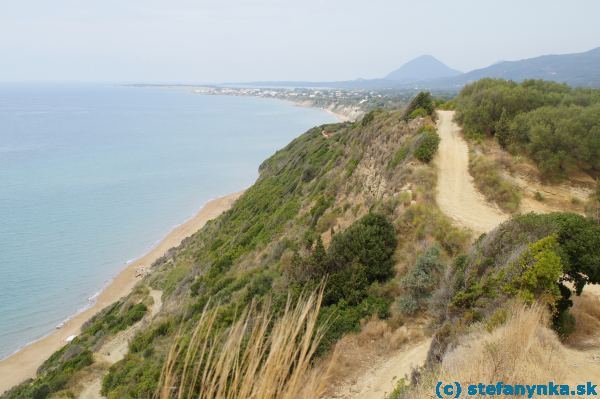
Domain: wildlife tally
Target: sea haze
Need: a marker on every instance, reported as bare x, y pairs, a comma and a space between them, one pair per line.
93, 176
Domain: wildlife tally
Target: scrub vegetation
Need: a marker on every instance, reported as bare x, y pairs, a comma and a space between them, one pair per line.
557, 126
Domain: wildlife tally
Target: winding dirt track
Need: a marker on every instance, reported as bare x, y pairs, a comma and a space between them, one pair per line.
456, 194
458, 198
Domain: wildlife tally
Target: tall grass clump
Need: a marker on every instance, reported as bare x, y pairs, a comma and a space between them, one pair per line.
492, 185
523, 348
257, 357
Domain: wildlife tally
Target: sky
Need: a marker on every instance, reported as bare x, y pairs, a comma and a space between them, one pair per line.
201, 41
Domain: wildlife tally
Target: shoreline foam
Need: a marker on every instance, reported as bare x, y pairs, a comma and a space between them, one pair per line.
24, 363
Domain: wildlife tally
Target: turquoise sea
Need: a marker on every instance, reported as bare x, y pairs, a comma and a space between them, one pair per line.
92, 176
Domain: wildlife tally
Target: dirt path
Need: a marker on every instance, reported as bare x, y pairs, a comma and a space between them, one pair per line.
92, 391
379, 381
456, 194
116, 349
458, 198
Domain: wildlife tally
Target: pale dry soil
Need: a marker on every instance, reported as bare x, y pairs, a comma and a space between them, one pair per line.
556, 198
379, 379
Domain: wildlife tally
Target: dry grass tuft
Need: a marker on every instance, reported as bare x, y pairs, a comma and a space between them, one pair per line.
380, 336
586, 309
523, 350
250, 359
492, 184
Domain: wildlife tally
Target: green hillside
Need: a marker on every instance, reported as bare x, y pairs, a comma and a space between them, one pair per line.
351, 204
360, 190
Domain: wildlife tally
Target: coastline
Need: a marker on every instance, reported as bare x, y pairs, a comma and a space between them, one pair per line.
24, 363
342, 115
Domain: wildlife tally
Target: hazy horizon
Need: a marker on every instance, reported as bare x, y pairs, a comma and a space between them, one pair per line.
184, 41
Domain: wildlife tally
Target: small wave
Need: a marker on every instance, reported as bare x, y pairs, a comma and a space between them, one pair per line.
95, 296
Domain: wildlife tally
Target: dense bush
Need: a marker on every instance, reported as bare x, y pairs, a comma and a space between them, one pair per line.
529, 257
370, 241
536, 273
557, 126
420, 281
418, 113
116, 318
356, 258
420, 105
428, 145
561, 140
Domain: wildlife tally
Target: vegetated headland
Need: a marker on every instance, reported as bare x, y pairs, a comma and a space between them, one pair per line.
344, 254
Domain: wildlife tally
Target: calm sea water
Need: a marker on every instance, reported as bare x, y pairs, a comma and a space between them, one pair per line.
93, 176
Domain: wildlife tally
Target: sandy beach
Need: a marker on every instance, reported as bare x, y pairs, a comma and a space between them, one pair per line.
23, 364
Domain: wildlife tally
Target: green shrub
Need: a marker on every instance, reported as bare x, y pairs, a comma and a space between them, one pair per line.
418, 113
370, 241
349, 284
342, 318
555, 125
368, 118
537, 272
400, 389
428, 145
399, 156
322, 204
420, 281
351, 166
420, 105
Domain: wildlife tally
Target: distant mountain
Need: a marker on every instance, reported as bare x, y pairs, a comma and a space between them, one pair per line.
578, 69
420, 69
428, 73
425, 67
